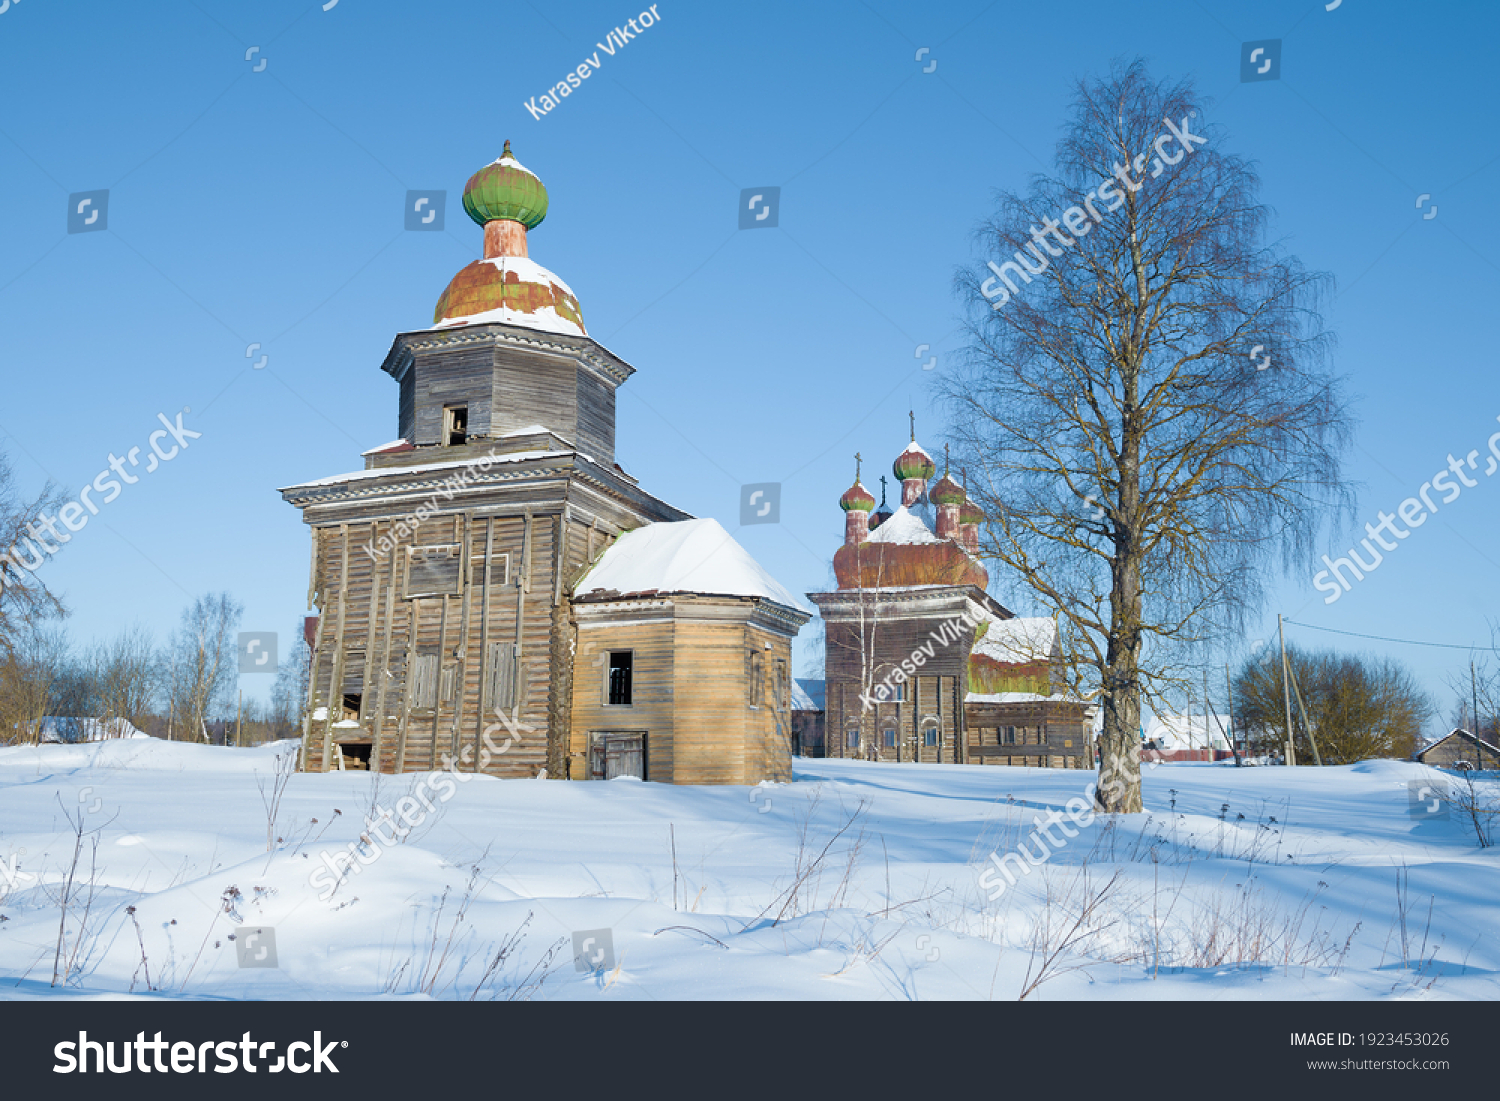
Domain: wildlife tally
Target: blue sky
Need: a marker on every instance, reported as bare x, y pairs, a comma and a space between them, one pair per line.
266, 207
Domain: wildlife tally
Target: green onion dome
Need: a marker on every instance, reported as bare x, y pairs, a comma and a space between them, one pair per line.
914, 463
970, 513
857, 498
947, 492
506, 190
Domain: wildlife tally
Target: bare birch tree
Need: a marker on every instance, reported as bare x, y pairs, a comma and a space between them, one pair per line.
202, 661
1141, 460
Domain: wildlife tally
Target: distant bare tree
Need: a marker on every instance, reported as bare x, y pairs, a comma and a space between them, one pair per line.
25, 600
289, 694
201, 663
30, 672
1359, 707
1138, 470
127, 673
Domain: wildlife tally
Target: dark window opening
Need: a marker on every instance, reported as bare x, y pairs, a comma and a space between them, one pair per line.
356, 756
352, 701
456, 425
620, 667
890, 738
930, 736
1010, 735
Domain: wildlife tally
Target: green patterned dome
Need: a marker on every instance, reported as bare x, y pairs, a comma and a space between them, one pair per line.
506, 190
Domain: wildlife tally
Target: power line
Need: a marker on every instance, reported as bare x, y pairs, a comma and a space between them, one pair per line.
1380, 638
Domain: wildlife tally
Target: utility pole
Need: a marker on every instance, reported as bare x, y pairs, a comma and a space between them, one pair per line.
239, 712
1478, 730
1286, 696
1207, 737
1229, 715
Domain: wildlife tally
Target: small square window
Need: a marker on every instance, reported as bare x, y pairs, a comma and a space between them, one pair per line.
455, 425
621, 664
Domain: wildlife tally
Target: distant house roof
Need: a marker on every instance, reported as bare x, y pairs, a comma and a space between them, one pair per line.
683, 556
808, 695
69, 729
1174, 732
1462, 734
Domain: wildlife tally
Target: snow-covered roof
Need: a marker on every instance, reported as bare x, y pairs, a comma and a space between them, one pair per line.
67, 729
392, 446
683, 556
808, 695
428, 468
904, 526
1019, 640
1017, 697
1174, 732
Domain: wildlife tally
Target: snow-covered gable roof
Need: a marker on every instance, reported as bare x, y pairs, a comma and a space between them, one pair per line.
904, 526
1017, 641
808, 695
683, 556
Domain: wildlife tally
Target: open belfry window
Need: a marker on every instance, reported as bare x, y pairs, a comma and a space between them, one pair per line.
455, 425
620, 674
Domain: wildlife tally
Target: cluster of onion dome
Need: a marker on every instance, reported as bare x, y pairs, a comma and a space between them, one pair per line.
508, 199
894, 549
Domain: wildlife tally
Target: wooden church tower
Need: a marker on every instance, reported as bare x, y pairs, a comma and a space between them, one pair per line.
442, 571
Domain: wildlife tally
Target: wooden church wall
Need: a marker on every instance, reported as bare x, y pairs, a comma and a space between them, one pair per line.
424, 665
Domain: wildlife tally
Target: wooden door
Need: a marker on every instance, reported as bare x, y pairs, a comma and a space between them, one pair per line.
618, 755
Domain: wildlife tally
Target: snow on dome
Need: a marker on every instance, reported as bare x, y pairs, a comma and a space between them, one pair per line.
506, 190
683, 556
509, 158
904, 526
1018, 641
514, 290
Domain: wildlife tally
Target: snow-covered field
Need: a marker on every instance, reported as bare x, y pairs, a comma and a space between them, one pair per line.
856, 881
